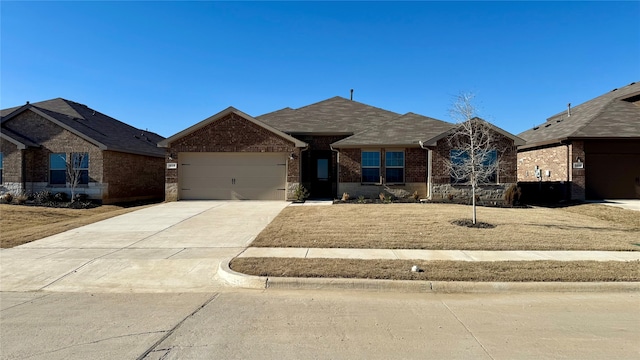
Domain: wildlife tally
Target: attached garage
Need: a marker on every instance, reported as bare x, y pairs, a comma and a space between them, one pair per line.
612, 169
232, 176
231, 156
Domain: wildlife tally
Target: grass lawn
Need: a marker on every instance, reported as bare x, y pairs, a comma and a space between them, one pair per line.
428, 226
22, 224
573, 271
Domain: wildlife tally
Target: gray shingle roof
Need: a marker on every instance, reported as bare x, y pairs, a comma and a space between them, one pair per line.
105, 131
606, 116
405, 130
336, 115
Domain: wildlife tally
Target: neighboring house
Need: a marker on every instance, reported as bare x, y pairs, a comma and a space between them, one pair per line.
116, 162
330, 147
590, 151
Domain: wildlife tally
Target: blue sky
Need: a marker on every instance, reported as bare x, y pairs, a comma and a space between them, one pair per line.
164, 66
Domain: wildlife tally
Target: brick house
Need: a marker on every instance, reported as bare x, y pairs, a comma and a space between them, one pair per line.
116, 162
330, 147
590, 151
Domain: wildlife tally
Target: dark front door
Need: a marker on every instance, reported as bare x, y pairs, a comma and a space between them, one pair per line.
320, 174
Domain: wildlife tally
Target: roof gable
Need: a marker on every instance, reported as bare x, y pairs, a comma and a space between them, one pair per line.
608, 115
167, 142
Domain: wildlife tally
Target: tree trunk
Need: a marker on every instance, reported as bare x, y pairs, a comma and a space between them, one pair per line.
473, 202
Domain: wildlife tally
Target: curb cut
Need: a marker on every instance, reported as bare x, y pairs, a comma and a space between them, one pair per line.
447, 287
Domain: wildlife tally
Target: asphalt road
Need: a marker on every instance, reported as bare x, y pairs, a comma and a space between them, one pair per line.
246, 324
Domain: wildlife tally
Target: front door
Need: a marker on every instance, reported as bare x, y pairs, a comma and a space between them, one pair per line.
320, 174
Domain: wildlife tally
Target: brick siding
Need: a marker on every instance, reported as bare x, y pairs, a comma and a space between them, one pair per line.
558, 161
415, 170
130, 177
109, 181
11, 168
231, 133
441, 187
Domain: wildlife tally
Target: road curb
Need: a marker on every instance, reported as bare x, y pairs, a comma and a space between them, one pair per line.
262, 282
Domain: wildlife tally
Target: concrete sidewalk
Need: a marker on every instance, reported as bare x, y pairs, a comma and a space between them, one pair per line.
457, 255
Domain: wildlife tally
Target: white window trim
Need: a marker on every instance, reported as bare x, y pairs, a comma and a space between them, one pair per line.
403, 167
379, 167
58, 169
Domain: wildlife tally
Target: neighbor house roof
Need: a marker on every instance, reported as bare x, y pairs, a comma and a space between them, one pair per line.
230, 110
336, 115
406, 130
615, 114
99, 129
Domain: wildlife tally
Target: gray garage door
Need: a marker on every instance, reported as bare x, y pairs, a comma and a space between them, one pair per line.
232, 176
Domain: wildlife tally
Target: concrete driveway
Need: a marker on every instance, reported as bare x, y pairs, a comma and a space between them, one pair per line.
171, 247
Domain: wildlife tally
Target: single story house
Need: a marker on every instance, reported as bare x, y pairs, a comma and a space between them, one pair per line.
331, 147
590, 151
116, 162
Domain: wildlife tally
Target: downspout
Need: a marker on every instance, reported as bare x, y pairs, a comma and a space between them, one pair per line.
567, 189
337, 164
429, 160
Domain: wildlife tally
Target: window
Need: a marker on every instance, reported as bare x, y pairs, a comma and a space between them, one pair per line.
58, 169
1, 167
322, 170
394, 167
461, 166
81, 167
370, 166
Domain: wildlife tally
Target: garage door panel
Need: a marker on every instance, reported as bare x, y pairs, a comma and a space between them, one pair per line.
258, 176
613, 176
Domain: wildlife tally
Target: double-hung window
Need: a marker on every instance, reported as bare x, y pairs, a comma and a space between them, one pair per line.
485, 163
394, 167
81, 167
371, 167
58, 169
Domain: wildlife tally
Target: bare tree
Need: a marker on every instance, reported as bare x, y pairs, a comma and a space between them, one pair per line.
474, 152
75, 165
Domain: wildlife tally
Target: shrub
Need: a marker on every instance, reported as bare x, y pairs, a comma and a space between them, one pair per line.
512, 195
61, 197
21, 198
6, 198
387, 199
43, 196
345, 196
361, 199
81, 198
300, 193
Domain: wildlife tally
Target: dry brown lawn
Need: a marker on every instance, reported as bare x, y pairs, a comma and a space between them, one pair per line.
574, 271
22, 224
428, 226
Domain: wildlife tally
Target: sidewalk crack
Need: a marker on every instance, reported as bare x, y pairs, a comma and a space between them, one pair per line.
173, 329
468, 330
